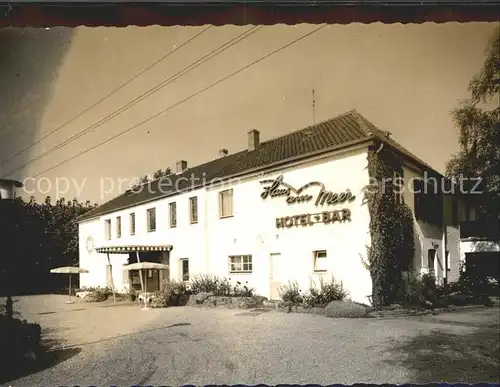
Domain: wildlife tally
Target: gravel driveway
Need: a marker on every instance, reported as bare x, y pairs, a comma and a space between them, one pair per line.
122, 345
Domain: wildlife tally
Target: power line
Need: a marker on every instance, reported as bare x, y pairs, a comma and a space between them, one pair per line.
184, 100
109, 94
148, 93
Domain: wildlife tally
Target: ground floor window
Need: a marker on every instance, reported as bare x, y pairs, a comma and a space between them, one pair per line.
320, 261
240, 264
185, 269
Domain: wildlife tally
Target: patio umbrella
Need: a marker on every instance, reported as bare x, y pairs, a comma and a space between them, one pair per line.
145, 266
69, 270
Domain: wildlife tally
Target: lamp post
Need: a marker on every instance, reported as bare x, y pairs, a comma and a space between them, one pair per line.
7, 193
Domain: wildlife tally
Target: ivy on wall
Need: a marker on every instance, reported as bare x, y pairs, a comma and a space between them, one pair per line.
391, 228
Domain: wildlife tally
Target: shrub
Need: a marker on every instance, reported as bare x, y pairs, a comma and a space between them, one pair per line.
327, 292
173, 290
291, 293
332, 291
17, 337
208, 283
160, 299
96, 294
178, 288
219, 286
470, 285
418, 289
244, 291
422, 290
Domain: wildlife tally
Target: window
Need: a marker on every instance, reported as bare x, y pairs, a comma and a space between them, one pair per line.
240, 264
431, 258
150, 273
118, 226
173, 214
193, 210
132, 224
107, 229
152, 219
320, 261
226, 203
185, 269
398, 187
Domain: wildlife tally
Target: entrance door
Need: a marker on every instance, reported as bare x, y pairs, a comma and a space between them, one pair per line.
276, 276
431, 259
184, 269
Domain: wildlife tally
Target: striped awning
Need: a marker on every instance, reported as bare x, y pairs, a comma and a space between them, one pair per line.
132, 249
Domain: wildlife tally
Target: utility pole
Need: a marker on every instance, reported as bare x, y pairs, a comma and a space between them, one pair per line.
7, 194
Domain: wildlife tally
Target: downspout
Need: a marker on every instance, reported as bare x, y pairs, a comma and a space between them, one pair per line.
206, 229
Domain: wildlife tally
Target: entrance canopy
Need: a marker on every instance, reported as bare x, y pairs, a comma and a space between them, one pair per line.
132, 249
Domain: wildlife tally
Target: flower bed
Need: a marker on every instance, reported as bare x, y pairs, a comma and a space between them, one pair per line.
212, 301
207, 291
94, 294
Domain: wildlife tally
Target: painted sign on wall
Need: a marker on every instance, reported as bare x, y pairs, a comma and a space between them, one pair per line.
325, 217
278, 188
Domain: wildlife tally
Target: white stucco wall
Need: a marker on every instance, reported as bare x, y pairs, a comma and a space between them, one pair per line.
252, 230
93, 262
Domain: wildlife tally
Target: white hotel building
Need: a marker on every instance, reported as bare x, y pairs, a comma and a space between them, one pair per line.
254, 217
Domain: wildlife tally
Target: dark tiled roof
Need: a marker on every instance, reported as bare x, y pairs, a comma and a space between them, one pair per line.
337, 132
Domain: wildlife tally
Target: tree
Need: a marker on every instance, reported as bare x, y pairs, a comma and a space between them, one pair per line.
479, 134
156, 175
39, 236
159, 173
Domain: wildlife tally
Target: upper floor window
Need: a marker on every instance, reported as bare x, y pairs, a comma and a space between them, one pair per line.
151, 219
107, 229
132, 224
173, 214
226, 203
398, 188
240, 264
193, 210
118, 226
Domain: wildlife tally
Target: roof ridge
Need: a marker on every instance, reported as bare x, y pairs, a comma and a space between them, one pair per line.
311, 126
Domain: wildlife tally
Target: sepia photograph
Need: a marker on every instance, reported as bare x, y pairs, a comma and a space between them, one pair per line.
309, 203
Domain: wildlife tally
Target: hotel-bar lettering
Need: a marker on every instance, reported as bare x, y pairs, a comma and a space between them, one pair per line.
325, 217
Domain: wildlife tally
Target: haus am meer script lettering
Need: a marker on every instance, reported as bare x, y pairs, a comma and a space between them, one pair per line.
278, 188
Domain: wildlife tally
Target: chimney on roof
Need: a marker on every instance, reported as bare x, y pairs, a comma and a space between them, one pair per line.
253, 139
222, 152
181, 166
387, 133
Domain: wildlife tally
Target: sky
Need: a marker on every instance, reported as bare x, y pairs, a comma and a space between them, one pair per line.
405, 79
